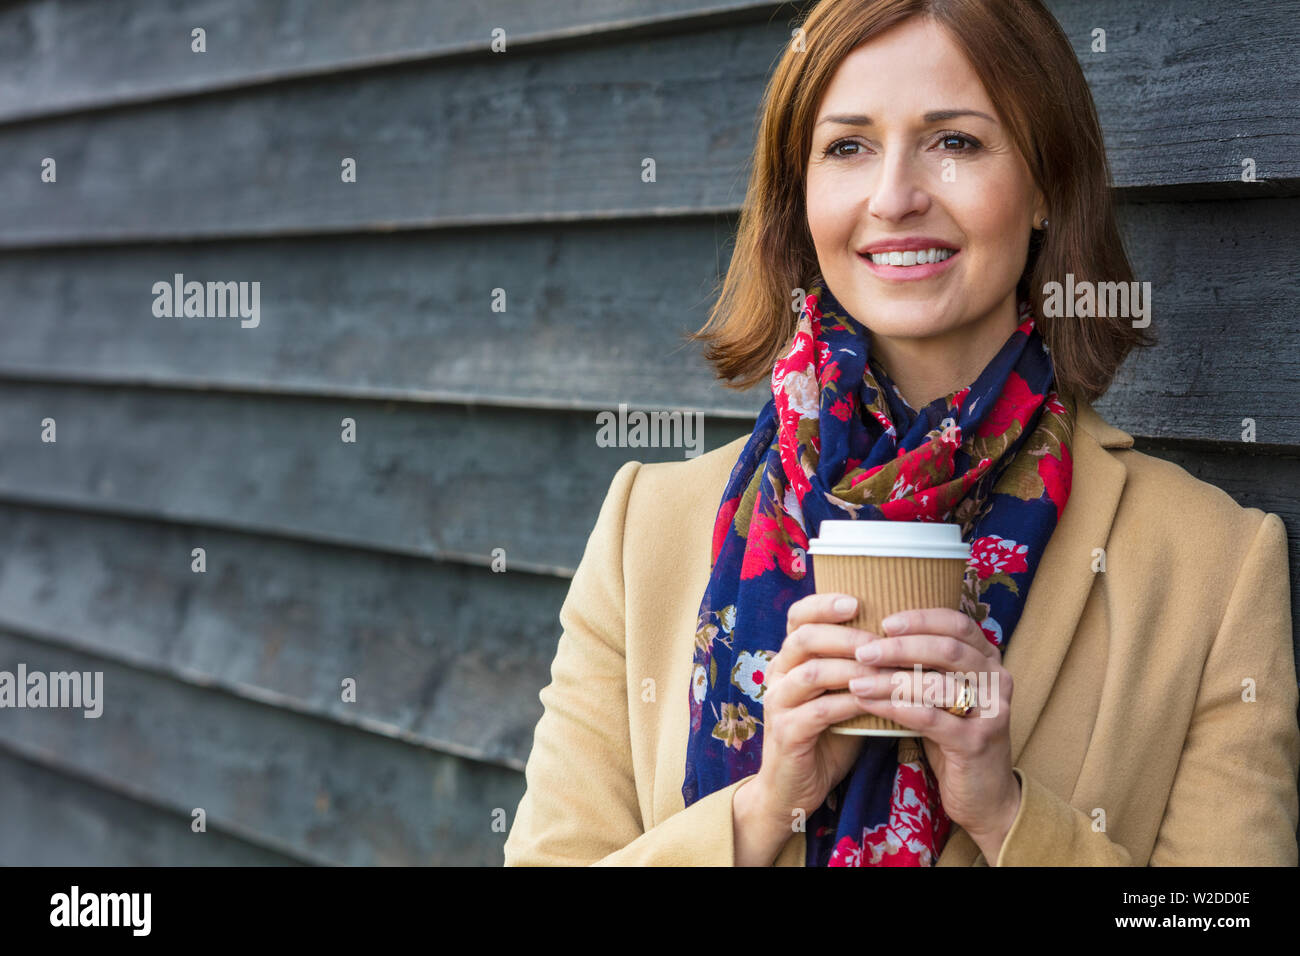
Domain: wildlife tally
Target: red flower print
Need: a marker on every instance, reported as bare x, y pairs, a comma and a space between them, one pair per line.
908, 838
843, 408
919, 471
992, 630
1016, 403
991, 554
770, 545
1056, 474
846, 853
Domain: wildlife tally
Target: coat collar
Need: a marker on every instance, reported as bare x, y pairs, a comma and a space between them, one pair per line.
1060, 588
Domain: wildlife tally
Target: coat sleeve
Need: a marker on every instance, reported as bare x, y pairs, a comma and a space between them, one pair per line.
1234, 797
580, 806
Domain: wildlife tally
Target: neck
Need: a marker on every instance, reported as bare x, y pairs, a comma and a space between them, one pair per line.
935, 366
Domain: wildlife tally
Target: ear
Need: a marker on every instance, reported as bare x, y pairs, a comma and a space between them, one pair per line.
1039, 207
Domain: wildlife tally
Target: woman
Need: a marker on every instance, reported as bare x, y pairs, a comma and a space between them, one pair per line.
938, 165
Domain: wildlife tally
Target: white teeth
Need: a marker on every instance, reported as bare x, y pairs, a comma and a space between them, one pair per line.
911, 258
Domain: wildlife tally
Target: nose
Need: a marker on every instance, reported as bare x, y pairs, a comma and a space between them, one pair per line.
899, 187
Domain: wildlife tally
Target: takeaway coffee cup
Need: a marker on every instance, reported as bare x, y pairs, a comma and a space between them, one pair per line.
888, 566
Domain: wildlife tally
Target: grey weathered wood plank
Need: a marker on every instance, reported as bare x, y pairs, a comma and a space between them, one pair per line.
407, 316
550, 135
1226, 297
64, 56
317, 789
433, 481
1173, 94
411, 317
53, 819
445, 656
537, 135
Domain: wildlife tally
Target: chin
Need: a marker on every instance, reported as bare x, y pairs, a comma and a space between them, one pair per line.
907, 321
897, 330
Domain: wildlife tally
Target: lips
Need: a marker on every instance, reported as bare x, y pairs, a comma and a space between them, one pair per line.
901, 273
907, 244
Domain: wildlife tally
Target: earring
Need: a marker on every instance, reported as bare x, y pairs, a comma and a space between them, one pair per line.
1043, 224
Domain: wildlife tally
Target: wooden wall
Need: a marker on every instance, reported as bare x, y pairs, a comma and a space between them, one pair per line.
371, 560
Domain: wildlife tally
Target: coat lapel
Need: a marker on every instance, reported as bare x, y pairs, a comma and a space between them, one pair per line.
1059, 590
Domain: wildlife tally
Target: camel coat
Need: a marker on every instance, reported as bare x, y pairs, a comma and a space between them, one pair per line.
1153, 718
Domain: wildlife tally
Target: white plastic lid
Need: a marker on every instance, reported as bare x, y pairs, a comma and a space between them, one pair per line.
890, 539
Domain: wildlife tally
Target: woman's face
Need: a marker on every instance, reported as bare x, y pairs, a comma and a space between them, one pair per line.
886, 169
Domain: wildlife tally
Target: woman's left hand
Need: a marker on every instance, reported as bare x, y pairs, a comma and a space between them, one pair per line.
971, 755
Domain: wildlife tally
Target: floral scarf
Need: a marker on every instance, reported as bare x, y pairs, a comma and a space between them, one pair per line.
993, 457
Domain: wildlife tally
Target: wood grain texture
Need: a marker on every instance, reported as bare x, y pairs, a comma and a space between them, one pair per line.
552, 134
1188, 89
1226, 294
49, 818
446, 656
407, 316
308, 788
62, 55
548, 135
433, 482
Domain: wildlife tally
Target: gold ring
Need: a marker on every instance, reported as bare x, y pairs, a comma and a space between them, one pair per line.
965, 700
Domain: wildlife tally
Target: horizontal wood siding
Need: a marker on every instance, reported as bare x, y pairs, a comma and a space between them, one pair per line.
476, 427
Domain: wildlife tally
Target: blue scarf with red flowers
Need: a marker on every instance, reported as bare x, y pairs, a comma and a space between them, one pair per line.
993, 457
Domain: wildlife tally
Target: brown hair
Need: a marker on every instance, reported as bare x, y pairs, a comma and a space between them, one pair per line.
1035, 82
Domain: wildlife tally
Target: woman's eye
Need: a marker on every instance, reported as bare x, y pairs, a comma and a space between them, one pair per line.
831, 149
960, 138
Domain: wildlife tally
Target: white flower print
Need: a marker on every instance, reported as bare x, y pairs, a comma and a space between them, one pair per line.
750, 673
699, 683
791, 505
802, 392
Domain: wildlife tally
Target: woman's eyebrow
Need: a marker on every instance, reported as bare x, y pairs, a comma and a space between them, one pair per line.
934, 116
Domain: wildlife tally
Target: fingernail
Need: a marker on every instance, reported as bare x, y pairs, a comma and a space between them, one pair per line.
845, 604
893, 623
860, 685
868, 652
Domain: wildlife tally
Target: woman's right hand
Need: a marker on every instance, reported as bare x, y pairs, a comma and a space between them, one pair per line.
801, 763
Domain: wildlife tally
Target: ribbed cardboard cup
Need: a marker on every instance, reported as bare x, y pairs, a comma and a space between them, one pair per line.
889, 566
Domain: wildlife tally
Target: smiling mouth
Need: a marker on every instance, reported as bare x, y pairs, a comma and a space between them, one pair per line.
912, 265
912, 257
